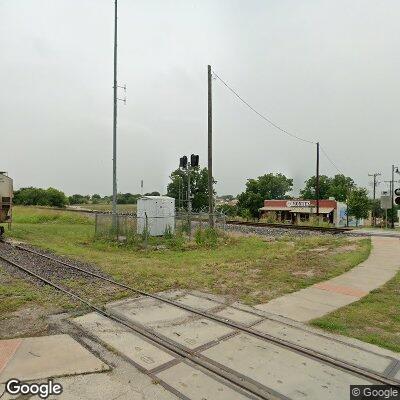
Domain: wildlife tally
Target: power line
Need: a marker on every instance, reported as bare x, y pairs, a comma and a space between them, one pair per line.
261, 115
271, 122
330, 160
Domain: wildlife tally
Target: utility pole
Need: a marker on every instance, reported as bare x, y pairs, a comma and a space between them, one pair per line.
210, 173
317, 182
114, 201
391, 184
375, 184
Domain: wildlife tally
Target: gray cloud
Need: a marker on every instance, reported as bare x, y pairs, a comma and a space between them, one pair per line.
326, 70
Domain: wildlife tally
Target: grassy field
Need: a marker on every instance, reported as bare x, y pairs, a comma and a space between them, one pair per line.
108, 207
250, 269
374, 319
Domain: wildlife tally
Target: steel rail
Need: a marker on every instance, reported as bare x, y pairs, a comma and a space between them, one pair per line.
176, 348
348, 367
287, 226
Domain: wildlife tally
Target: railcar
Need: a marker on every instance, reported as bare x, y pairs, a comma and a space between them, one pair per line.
6, 195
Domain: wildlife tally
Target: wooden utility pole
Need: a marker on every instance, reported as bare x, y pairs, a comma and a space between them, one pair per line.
375, 184
317, 181
210, 174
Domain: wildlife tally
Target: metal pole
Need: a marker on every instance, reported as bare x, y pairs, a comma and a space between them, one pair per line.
179, 192
189, 204
375, 184
392, 194
114, 201
317, 182
210, 173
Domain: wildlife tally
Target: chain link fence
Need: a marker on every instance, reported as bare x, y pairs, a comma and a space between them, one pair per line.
124, 226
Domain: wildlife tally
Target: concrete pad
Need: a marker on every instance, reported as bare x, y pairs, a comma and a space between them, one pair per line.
199, 303
284, 371
333, 348
50, 356
148, 311
195, 333
238, 316
196, 385
180, 326
124, 341
121, 385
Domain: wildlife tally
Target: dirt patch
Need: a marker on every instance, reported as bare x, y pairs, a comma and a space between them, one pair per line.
321, 249
27, 321
344, 249
307, 274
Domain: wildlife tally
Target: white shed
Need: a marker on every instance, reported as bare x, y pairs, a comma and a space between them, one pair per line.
160, 213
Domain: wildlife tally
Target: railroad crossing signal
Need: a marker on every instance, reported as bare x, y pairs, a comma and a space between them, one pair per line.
397, 198
183, 162
194, 160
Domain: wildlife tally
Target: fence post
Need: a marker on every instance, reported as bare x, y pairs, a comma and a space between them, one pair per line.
95, 224
146, 227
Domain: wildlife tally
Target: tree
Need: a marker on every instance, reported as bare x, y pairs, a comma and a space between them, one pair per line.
153, 194
227, 209
227, 197
309, 190
56, 198
358, 203
177, 188
268, 186
127, 198
40, 197
337, 187
340, 187
77, 199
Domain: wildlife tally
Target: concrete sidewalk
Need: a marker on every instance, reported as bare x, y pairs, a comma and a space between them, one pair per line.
325, 297
35, 358
375, 232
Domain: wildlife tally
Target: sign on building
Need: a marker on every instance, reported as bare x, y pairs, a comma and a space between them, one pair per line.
298, 203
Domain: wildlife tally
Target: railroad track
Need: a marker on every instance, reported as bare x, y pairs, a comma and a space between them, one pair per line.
287, 226
182, 352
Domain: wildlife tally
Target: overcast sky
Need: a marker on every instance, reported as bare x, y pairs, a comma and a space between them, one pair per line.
325, 70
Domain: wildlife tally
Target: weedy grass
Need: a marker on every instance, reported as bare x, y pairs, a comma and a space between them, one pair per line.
251, 269
247, 268
374, 319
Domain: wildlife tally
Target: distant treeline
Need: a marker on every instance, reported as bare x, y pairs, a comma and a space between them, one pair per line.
51, 197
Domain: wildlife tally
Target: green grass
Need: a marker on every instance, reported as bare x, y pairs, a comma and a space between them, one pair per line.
249, 269
32, 215
374, 319
16, 292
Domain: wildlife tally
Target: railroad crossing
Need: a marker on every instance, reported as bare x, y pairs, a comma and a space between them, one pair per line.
194, 345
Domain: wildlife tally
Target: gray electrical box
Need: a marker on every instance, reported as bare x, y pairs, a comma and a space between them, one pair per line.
386, 201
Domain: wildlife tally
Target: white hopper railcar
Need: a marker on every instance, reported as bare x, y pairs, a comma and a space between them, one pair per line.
6, 195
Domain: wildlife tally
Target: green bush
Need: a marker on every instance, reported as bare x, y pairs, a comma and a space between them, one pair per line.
207, 237
176, 242
168, 233
40, 197
269, 218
